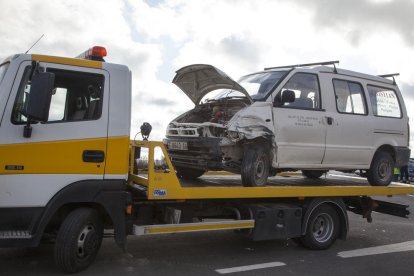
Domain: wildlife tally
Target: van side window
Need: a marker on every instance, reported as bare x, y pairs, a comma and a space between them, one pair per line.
384, 102
349, 97
76, 97
306, 89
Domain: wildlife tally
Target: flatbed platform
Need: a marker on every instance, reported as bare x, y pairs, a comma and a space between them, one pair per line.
296, 179
164, 184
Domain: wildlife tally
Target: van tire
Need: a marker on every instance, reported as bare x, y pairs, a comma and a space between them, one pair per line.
322, 228
381, 171
189, 173
255, 166
78, 240
312, 174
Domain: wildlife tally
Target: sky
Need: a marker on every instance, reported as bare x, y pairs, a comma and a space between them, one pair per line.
156, 38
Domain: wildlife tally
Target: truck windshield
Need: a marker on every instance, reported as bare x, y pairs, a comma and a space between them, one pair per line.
258, 85
3, 69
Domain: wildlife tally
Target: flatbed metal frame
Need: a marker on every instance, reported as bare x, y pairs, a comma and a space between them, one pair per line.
164, 184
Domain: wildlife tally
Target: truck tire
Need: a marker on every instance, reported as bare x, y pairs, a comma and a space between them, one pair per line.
189, 173
322, 228
78, 240
255, 166
381, 171
312, 174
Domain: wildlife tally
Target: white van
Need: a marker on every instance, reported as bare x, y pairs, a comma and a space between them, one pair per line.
310, 117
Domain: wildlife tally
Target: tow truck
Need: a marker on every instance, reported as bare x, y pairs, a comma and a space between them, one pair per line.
70, 173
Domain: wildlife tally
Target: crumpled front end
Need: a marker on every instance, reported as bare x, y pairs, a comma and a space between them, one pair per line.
218, 146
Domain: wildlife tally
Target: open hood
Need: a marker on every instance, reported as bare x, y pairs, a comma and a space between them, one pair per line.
197, 80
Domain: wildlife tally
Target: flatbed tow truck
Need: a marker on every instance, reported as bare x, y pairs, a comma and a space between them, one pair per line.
70, 176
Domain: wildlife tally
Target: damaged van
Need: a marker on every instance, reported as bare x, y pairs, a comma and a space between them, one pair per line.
310, 117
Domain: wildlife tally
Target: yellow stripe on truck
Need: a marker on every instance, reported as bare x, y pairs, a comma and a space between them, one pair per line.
69, 61
64, 157
117, 155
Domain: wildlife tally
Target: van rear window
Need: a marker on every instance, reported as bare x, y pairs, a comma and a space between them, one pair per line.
384, 102
349, 97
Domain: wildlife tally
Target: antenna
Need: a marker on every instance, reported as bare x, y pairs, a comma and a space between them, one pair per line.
35, 43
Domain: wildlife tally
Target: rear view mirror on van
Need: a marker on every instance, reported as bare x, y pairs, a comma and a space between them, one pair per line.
285, 96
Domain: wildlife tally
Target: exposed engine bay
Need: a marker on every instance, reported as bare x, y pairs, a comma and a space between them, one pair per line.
207, 120
214, 135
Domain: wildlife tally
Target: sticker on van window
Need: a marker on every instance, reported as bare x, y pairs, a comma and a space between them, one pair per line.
387, 104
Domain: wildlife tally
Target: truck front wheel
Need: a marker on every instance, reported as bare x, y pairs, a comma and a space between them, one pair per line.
322, 228
78, 240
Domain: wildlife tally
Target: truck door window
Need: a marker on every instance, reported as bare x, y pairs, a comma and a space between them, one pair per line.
307, 92
349, 97
57, 105
76, 97
384, 102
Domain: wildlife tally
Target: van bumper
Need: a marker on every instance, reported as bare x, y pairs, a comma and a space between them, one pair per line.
402, 156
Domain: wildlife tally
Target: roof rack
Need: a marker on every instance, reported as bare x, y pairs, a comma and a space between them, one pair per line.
393, 75
306, 64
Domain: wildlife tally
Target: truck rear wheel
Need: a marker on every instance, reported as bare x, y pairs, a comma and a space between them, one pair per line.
255, 167
381, 171
189, 173
312, 174
78, 240
322, 228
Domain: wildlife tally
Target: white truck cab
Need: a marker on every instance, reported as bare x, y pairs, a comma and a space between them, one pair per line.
309, 117
74, 146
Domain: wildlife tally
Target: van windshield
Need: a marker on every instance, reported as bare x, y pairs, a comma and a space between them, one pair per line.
258, 85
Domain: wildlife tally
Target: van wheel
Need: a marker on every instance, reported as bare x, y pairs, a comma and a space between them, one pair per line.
381, 171
322, 228
78, 240
312, 174
188, 173
255, 166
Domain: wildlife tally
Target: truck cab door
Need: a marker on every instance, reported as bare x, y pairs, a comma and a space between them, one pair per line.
299, 124
69, 147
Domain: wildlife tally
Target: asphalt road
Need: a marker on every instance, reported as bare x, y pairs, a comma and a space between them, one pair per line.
210, 253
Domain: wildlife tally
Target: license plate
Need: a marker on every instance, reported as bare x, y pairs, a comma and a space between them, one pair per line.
178, 145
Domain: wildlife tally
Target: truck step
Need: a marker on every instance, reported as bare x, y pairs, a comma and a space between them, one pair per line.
15, 234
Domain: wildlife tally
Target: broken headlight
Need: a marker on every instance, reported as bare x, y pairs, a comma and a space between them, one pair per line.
235, 135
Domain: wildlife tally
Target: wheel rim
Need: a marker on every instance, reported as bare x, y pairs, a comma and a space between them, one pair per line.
87, 241
384, 169
259, 168
323, 227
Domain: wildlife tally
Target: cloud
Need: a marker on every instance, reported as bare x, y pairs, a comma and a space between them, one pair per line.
359, 18
155, 38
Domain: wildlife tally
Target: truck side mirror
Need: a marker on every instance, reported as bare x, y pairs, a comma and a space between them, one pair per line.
40, 96
38, 101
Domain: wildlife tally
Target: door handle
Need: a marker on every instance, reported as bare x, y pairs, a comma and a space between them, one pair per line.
329, 120
93, 156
